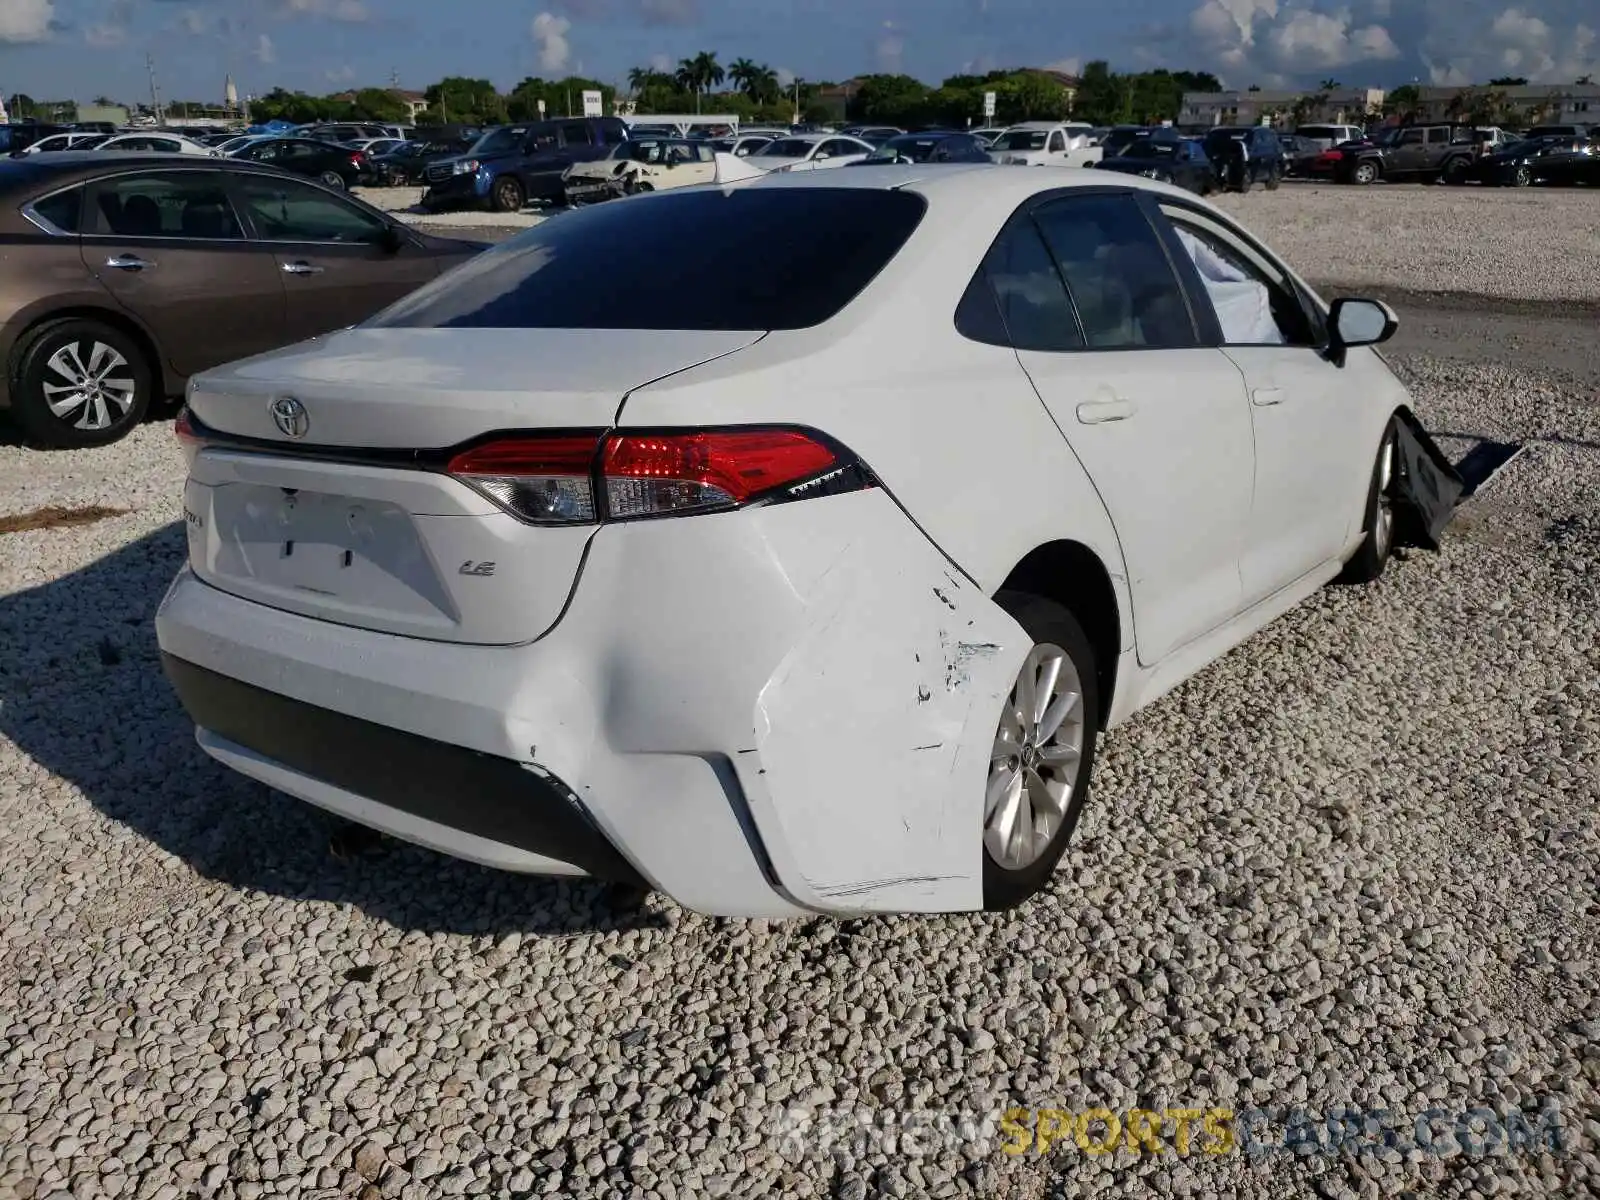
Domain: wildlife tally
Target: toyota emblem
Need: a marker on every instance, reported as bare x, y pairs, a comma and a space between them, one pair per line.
290, 416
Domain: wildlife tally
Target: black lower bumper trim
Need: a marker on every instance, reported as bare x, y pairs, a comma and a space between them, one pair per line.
480, 794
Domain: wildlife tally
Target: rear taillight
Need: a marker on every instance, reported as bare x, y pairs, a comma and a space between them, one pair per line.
188, 436
544, 480
574, 479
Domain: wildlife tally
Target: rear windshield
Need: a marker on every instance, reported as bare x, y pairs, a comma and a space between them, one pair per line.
761, 258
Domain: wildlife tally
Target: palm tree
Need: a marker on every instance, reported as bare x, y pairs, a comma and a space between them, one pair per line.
710, 70
765, 88
744, 73
640, 78
1329, 85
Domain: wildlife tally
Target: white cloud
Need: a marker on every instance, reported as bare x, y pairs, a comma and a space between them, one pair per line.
662, 63
1272, 42
550, 31
26, 20
342, 74
102, 35
265, 51
193, 21
1067, 66
353, 12
1541, 46
785, 76
889, 53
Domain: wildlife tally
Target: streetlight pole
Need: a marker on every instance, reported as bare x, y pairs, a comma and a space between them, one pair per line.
797, 100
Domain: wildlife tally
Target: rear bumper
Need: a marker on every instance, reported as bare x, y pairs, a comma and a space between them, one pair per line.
801, 722
485, 798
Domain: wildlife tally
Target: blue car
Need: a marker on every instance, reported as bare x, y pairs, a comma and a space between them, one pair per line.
930, 146
513, 164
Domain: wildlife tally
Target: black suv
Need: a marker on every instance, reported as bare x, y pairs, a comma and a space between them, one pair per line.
1245, 154
513, 164
1417, 153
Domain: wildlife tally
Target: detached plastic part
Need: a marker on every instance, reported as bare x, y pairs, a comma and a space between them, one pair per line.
1429, 486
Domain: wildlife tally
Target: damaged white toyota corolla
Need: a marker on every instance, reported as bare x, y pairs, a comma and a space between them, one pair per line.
795, 569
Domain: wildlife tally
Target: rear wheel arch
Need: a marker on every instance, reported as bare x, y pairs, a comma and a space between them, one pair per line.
159, 373
1073, 575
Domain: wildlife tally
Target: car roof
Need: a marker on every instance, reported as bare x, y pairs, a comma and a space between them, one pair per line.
69, 166
958, 183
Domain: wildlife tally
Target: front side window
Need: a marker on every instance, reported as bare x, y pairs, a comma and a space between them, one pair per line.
1021, 139
1117, 273
1255, 301
1410, 137
190, 204
286, 210
562, 274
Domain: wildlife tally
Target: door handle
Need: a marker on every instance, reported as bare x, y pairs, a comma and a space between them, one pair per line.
302, 268
128, 262
1262, 397
1097, 412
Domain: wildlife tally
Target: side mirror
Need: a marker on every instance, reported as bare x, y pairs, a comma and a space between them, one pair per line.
1356, 322
391, 239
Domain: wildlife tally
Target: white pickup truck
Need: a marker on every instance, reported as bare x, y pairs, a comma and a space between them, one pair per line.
1046, 144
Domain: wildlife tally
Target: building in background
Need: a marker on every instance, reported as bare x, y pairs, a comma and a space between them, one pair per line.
1524, 104
1337, 106
96, 114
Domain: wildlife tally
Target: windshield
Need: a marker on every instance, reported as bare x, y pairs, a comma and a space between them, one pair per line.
786, 148
1021, 139
817, 248
1150, 148
906, 149
498, 141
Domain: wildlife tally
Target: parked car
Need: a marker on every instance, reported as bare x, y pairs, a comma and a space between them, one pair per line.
345, 133
1298, 154
1045, 144
810, 152
1326, 137
408, 162
1119, 137
1556, 160
572, 564
511, 165
125, 274
745, 144
328, 163
641, 166
154, 143
1244, 155
1182, 163
937, 146
1572, 131
1413, 153
988, 133
873, 135
65, 141
17, 137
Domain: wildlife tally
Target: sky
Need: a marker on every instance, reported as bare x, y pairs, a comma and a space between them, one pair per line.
55, 49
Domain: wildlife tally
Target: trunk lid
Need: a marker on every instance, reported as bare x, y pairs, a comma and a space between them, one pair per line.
334, 524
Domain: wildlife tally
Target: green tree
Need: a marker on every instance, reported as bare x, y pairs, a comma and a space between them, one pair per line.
1403, 101
1509, 81
1099, 99
379, 104
887, 99
466, 101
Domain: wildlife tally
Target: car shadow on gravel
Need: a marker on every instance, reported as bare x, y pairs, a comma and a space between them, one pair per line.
82, 694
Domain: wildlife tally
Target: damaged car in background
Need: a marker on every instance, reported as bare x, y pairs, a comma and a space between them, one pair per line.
644, 165
569, 565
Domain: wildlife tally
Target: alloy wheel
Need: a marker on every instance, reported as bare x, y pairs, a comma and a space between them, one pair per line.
1037, 752
1383, 528
89, 385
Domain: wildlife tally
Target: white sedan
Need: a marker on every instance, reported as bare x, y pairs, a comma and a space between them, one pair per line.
157, 143
810, 152
806, 596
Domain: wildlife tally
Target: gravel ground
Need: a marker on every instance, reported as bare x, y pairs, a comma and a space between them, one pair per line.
1355, 863
1524, 244
403, 202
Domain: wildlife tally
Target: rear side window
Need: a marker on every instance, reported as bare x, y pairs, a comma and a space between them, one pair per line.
1117, 271
777, 258
1018, 295
64, 210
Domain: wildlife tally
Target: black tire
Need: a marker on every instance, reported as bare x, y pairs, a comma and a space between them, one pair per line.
1273, 180
507, 195
332, 179
1048, 623
1455, 172
36, 368
1369, 561
1523, 176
